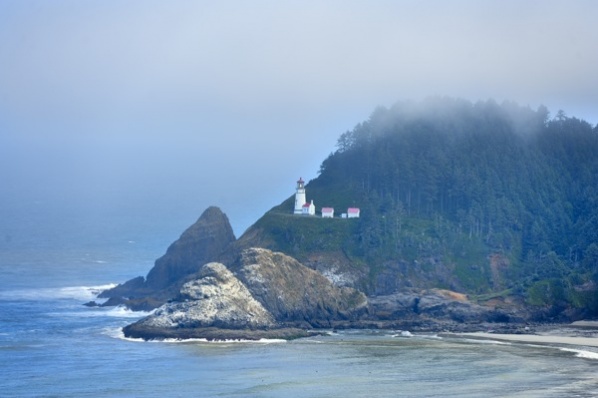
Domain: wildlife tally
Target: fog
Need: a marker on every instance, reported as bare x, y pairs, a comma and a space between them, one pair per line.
159, 109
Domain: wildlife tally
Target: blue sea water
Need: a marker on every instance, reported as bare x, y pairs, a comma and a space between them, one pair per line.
53, 346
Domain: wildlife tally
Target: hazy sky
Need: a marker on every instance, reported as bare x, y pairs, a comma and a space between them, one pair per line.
161, 108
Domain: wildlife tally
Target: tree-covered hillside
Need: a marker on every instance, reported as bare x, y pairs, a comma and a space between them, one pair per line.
483, 198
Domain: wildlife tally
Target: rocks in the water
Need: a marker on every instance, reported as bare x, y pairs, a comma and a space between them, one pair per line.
125, 289
203, 242
274, 296
137, 330
216, 299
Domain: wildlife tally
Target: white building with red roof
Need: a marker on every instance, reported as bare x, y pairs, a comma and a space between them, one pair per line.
327, 212
353, 212
309, 209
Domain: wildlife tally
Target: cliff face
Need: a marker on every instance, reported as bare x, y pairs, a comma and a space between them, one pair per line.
295, 293
273, 296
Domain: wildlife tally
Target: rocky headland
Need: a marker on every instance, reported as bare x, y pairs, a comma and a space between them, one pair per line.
207, 285
469, 216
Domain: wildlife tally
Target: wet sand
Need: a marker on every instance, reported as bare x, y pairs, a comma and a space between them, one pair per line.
580, 333
536, 339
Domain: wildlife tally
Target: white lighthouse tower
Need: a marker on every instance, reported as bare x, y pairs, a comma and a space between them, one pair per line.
299, 196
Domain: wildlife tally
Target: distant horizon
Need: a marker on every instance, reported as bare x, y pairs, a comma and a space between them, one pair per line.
181, 105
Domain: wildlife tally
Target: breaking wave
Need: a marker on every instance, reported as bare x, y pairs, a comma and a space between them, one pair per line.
581, 353
224, 341
117, 333
113, 312
81, 293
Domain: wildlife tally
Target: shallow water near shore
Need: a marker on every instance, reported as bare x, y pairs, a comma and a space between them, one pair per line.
57, 347
53, 346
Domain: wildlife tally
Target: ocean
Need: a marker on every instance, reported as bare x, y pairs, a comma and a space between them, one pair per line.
51, 345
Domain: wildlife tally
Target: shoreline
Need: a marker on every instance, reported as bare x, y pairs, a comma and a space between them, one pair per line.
580, 333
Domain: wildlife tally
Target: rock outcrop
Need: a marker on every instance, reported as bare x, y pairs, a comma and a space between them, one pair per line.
216, 299
274, 296
205, 241
202, 242
296, 294
440, 305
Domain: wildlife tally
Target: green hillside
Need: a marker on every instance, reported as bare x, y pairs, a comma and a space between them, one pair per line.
482, 198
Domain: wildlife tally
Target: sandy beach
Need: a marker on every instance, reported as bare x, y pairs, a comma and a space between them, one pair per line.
580, 333
536, 339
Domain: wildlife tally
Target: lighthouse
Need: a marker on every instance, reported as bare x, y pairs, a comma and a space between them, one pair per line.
299, 196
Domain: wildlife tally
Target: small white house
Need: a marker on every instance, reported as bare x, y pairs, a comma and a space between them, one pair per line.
327, 212
353, 212
309, 209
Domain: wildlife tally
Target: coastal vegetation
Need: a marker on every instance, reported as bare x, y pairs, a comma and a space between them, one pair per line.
484, 198
469, 214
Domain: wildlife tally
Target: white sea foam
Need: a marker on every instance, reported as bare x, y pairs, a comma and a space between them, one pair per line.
117, 333
487, 341
81, 293
581, 353
113, 312
578, 352
430, 336
224, 341
123, 312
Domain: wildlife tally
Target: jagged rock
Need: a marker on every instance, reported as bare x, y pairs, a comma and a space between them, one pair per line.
295, 293
124, 290
203, 242
273, 292
216, 299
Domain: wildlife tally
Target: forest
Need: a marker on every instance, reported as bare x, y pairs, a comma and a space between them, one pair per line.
437, 174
